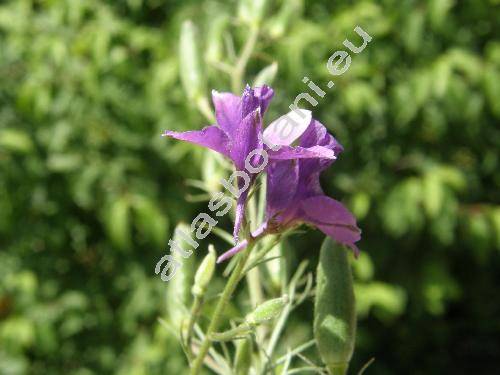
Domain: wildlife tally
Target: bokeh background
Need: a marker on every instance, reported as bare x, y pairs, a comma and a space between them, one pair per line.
90, 192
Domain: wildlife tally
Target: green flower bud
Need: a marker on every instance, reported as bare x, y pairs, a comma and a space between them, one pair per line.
290, 10
266, 75
243, 358
204, 273
178, 288
215, 48
190, 65
267, 311
252, 11
335, 314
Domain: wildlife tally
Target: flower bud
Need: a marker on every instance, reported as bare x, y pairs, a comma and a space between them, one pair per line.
215, 47
252, 11
179, 286
334, 310
204, 273
266, 75
190, 65
290, 10
267, 311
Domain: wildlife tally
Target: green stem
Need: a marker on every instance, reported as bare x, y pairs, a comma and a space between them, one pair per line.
256, 295
294, 352
229, 289
193, 316
205, 109
229, 335
273, 341
280, 325
239, 69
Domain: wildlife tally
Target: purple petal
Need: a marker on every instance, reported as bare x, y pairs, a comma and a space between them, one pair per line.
246, 139
233, 251
265, 95
239, 215
333, 219
282, 180
314, 152
259, 232
227, 111
317, 134
249, 101
211, 137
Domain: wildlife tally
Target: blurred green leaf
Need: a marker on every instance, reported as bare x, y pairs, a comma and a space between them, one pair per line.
15, 140
117, 221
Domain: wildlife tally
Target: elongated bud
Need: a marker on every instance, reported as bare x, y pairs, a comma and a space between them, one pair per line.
252, 11
335, 314
204, 273
190, 65
290, 10
266, 75
267, 311
178, 288
215, 48
243, 358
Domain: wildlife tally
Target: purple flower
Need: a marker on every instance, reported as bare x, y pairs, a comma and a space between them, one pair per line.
239, 132
294, 195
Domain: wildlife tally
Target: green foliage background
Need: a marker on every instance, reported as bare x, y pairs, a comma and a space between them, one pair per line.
89, 191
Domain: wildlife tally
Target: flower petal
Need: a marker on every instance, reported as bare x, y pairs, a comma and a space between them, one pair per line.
317, 134
239, 214
310, 169
315, 152
259, 232
233, 251
286, 129
332, 218
282, 180
246, 139
211, 137
227, 111
265, 95
249, 101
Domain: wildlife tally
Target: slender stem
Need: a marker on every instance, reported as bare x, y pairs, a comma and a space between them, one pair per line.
280, 325
239, 69
205, 109
237, 332
193, 317
256, 295
254, 287
256, 213
229, 289
253, 275
273, 341
295, 351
